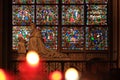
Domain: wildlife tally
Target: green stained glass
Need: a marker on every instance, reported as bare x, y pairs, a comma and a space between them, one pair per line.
92, 38
96, 38
20, 31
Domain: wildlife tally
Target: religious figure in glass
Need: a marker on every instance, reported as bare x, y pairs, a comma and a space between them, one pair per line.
73, 38
72, 15
47, 15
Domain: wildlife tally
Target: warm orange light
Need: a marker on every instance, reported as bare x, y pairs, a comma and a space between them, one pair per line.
56, 75
32, 58
71, 74
2, 75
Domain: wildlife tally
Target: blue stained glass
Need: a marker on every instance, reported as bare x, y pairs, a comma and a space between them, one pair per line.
96, 38
49, 35
22, 15
47, 15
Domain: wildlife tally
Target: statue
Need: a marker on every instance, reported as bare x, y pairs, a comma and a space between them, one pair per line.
21, 45
36, 44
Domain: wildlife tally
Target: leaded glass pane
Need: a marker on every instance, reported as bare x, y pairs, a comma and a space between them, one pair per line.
97, 1
49, 35
73, 1
47, 1
72, 38
96, 14
22, 15
47, 15
96, 38
23, 1
20, 31
73, 15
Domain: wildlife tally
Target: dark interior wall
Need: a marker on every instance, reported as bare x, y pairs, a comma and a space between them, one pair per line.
116, 31
0, 33
6, 36
119, 32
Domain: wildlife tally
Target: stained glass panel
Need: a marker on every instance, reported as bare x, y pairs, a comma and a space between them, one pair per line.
49, 35
97, 15
47, 15
47, 1
22, 15
97, 1
73, 1
23, 1
73, 15
20, 31
72, 38
96, 38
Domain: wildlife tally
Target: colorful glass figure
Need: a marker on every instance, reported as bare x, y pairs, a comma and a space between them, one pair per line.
73, 1
97, 15
47, 1
47, 15
72, 38
49, 35
96, 38
97, 1
20, 31
73, 15
22, 15
23, 1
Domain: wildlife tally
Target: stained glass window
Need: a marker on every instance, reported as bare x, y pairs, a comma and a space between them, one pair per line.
49, 35
20, 31
73, 1
23, 1
96, 38
97, 1
47, 1
22, 15
76, 25
47, 15
97, 15
73, 15
73, 38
